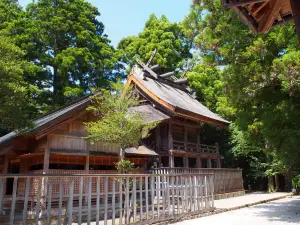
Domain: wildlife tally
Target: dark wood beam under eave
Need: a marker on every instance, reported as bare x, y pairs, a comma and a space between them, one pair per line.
295, 5
242, 3
268, 18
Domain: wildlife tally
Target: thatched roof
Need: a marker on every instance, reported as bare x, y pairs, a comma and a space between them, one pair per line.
174, 98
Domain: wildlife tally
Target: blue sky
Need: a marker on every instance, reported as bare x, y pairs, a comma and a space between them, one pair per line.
127, 17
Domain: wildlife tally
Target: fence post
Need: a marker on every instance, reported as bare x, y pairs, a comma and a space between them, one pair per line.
2, 194
70, 203
26, 201
13, 203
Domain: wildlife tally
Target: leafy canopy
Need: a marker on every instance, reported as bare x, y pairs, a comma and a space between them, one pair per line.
116, 124
15, 94
66, 40
256, 81
173, 48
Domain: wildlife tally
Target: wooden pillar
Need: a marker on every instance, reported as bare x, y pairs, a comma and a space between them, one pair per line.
45, 171
86, 186
217, 148
198, 141
170, 137
185, 138
170, 145
3, 183
171, 160
157, 138
295, 5
46, 161
186, 161
208, 163
219, 163
158, 144
199, 162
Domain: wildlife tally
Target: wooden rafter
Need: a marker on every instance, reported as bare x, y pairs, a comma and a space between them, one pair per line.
243, 3
261, 15
268, 18
151, 58
260, 7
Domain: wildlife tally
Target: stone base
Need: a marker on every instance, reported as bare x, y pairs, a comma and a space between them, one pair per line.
229, 195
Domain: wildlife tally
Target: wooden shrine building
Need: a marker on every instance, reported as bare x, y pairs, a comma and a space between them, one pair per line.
57, 144
262, 15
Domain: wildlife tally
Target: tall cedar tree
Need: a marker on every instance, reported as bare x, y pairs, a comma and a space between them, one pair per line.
15, 94
257, 84
173, 48
67, 41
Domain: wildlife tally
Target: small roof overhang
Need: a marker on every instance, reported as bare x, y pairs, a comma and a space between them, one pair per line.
149, 113
141, 150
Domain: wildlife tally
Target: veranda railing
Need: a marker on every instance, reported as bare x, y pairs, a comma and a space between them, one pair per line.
113, 199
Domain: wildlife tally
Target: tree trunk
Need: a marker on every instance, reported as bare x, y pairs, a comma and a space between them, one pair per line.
277, 182
121, 154
290, 178
270, 184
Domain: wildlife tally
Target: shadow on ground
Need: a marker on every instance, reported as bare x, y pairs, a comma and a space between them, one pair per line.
279, 211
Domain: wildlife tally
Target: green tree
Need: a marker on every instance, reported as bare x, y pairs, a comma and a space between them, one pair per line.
67, 41
9, 11
173, 48
115, 124
259, 87
16, 95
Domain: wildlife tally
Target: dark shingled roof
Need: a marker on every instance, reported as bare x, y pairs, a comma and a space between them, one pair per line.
47, 119
177, 97
149, 113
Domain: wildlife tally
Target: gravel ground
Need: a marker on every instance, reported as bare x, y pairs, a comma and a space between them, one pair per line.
280, 212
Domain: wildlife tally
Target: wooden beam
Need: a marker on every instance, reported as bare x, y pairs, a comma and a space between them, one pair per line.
166, 75
243, 17
242, 3
260, 7
182, 81
295, 5
268, 18
68, 152
146, 68
151, 58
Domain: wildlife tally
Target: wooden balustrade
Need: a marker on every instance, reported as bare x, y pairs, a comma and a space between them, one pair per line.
225, 180
193, 147
113, 199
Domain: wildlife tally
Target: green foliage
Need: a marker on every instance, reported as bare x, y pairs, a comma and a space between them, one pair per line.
116, 124
256, 87
9, 11
159, 33
15, 94
124, 166
205, 79
296, 181
66, 41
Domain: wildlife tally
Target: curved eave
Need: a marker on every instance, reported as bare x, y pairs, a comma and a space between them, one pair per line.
177, 111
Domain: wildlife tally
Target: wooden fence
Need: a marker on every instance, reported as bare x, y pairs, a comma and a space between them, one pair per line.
225, 180
117, 199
